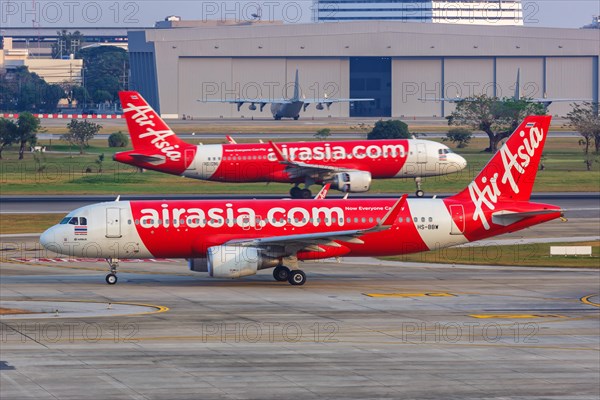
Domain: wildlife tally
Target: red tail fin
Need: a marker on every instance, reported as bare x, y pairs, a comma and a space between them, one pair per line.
149, 133
510, 174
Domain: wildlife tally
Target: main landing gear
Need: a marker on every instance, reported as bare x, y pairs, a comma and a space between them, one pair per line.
113, 263
419, 192
295, 277
298, 193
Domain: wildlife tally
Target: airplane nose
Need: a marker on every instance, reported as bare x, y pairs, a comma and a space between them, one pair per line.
462, 162
47, 238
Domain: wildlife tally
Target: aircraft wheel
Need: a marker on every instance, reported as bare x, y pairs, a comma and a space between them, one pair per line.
305, 194
111, 279
295, 192
281, 273
296, 117
297, 278
420, 193
277, 117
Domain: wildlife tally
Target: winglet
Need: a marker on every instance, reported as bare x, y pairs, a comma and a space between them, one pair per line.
230, 140
280, 157
391, 216
323, 192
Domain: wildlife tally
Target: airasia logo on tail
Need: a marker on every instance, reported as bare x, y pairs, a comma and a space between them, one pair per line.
143, 116
487, 195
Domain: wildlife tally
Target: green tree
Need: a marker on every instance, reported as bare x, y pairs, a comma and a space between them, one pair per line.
118, 139
80, 95
498, 118
106, 70
459, 136
323, 134
21, 90
390, 129
27, 127
67, 43
101, 96
8, 133
99, 161
585, 119
80, 133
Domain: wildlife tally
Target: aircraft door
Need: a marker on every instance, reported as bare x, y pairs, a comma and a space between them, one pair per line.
421, 153
458, 216
113, 222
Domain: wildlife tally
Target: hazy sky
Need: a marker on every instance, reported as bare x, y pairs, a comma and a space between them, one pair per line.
132, 13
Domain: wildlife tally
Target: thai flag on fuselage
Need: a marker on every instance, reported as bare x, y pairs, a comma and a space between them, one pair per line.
80, 230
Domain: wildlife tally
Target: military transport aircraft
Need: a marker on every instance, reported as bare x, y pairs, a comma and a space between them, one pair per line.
286, 108
544, 101
348, 165
236, 238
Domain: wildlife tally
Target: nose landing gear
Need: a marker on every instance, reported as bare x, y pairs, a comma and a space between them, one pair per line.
113, 263
419, 192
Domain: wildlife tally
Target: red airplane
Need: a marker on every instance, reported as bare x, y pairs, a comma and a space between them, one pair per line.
236, 238
348, 166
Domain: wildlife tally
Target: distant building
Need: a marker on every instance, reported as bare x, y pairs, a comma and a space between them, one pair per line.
51, 70
38, 41
396, 63
485, 12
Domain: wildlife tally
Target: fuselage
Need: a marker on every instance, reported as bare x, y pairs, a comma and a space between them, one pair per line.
286, 110
187, 228
257, 162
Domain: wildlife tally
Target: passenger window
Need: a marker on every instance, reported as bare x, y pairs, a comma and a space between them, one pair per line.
430, 219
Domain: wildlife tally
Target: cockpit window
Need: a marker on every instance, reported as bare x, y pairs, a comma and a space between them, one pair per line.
82, 221
74, 221
65, 220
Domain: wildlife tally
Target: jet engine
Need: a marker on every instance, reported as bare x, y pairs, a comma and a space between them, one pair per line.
237, 261
353, 181
252, 107
198, 264
319, 106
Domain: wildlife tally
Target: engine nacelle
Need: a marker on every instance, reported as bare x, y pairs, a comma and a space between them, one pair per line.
252, 107
353, 181
319, 106
198, 264
237, 261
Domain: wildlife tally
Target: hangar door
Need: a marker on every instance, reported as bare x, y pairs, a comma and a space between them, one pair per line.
371, 77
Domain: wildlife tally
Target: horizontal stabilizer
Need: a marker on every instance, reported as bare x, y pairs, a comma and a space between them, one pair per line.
150, 159
506, 217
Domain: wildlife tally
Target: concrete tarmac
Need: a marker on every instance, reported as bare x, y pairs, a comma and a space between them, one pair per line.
362, 328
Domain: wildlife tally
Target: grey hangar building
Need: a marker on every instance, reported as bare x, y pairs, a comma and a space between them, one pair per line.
399, 64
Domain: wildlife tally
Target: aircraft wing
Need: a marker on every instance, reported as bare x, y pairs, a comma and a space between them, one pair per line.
332, 100
550, 100
448, 99
297, 169
242, 101
291, 244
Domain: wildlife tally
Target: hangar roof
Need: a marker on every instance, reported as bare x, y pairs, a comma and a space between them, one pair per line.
375, 38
